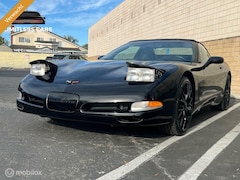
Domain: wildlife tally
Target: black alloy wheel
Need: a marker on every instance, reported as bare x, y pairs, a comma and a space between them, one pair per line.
183, 108
226, 96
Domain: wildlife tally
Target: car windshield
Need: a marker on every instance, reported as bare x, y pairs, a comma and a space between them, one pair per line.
156, 50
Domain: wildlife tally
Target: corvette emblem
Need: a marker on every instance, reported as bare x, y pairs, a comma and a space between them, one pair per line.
72, 82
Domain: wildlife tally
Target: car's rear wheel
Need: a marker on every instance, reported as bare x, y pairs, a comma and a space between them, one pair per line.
183, 109
226, 96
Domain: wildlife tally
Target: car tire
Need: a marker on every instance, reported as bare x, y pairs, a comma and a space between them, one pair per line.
226, 96
182, 110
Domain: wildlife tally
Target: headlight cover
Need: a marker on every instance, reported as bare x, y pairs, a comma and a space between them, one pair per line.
38, 69
43, 70
140, 74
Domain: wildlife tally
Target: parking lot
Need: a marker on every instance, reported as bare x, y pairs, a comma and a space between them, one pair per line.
38, 148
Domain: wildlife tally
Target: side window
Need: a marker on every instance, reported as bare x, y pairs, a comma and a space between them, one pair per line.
203, 54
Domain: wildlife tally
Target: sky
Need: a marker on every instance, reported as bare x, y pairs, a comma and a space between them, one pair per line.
65, 17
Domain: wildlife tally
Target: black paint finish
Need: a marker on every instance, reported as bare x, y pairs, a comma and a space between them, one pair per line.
101, 93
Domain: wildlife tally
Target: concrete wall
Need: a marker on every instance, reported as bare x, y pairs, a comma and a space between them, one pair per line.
229, 48
5, 48
19, 60
145, 19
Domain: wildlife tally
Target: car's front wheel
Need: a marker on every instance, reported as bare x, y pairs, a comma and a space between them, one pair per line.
183, 109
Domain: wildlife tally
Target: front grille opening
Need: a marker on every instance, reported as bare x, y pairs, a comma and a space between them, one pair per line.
63, 102
32, 99
107, 107
64, 106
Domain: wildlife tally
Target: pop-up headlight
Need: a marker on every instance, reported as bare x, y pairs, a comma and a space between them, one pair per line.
140, 74
43, 70
38, 69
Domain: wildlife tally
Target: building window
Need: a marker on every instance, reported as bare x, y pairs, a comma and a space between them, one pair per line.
61, 44
40, 39
27, 40
23, 39
52, 39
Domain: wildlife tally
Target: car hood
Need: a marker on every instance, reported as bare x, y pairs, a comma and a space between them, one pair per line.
97, 81
106, 71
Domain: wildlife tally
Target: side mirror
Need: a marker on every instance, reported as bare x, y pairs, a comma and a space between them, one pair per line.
100, 57
215, 60
211, 60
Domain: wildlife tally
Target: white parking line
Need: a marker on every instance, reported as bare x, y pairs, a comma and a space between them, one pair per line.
201, 164
130, 166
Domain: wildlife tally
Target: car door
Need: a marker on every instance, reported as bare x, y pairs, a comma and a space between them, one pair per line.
211, 78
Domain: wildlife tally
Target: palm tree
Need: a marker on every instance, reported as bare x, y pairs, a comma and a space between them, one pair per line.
3, 41
71, 39
85, 46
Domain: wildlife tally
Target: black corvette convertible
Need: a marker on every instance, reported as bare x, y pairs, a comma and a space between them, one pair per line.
141, 83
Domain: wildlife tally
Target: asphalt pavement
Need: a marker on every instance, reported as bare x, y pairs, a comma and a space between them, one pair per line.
32, 147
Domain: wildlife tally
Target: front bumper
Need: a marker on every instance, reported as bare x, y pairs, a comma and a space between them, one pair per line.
153, 117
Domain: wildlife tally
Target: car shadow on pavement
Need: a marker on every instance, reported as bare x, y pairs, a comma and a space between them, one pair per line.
141, 131
146, 132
